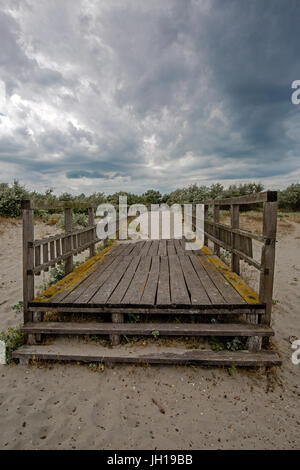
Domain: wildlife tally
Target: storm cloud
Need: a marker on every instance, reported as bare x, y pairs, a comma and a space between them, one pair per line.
129, 94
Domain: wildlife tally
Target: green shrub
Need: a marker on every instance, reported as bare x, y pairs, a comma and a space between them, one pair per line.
78, 219
235, 344
19, 307
289, 198
57, 274
13, 339
10, 199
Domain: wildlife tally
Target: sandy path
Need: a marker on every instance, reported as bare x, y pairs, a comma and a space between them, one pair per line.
67, 406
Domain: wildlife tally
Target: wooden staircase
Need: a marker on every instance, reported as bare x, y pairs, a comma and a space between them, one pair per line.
152, 353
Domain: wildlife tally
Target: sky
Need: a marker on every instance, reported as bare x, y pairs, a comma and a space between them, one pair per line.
137, 94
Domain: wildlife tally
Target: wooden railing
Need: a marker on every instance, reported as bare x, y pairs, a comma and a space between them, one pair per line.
40, 255
239, 242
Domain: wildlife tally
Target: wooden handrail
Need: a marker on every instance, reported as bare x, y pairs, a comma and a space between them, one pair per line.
43, 205
267, 196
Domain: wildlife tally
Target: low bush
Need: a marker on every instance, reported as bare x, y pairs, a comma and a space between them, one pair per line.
13, 339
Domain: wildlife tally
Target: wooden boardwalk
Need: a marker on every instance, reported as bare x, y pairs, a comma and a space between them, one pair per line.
158, 280
152, 277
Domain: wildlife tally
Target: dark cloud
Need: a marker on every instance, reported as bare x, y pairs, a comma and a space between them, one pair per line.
137, 94
84, 174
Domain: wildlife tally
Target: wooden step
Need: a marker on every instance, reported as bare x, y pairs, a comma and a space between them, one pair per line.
147, 329
145, 355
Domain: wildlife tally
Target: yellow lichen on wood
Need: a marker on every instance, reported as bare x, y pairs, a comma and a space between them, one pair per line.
248, 294
74, 278
206, 250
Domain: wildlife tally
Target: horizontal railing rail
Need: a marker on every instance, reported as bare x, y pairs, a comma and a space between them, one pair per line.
266, 196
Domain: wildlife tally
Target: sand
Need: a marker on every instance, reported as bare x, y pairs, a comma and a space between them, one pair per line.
55, 406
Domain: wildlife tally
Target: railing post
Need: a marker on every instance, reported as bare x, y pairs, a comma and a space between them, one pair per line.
92, 232
235, 223
216, 230
268, 258
205, 225
68, 243
115, 339
28, 257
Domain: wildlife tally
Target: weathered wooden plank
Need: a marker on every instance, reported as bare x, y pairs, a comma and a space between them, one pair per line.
93, 283
248, 294
213, 293
213, 309
105, 291
68, 242
117, 318
163, 288
167, 329
154, 248
46, 257
235, 224
179, 292
129, 248
28, 261
178, 247
171, 248
123, 285
45, 205
205, 224
266, 281
267, 196
97, 353
216, 230
92, 235
162, 249
194, 285
149, 294
226, 289
146, 248
52, 254
37, 257
138, 248
118, 250
58, 248
138, 282
64, 287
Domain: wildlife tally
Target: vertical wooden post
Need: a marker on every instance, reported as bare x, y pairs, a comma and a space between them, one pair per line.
116, 318
28, 257
34, 338
92, 232
68, 246
216, 230
205, 225
268, 258
235, 223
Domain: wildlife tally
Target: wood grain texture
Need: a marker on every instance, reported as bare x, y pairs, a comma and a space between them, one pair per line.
167, 329
89, 353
